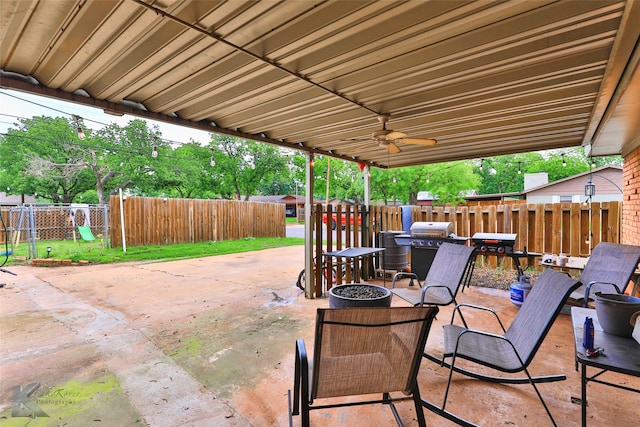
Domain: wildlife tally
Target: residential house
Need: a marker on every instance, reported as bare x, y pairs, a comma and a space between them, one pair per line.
537, 188
293, 202
16, 199
607, 181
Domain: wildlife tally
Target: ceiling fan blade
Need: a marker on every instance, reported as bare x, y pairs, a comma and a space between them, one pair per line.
393, 148
394, 134
419, 141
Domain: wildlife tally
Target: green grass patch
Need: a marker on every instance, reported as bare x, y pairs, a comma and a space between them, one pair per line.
97, 252
73, 403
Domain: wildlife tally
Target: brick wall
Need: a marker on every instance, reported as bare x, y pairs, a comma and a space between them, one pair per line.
630, 230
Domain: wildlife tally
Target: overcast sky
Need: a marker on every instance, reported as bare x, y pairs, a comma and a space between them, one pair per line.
15, 104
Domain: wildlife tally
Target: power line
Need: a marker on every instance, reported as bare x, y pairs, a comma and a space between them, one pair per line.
72, 115
104, 148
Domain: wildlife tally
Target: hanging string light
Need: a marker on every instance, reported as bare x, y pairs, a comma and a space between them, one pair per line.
564, 161
212, 162
154, 151
590, 187
519, 169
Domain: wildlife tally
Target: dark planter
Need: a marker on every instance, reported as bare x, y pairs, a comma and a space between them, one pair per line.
615, 311
359, 295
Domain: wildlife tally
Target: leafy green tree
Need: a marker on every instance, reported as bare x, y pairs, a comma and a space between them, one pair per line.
125, 158
185, 172
446, 181
242, 165
44, 156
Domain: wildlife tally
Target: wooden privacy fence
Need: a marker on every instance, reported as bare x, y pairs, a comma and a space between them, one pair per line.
158, 221
572, 228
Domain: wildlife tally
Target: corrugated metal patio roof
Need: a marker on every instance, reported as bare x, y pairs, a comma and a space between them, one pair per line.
483, 78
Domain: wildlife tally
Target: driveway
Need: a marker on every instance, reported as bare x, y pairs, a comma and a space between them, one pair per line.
210, 342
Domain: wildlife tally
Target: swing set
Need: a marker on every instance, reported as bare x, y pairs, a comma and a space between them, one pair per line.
6, 251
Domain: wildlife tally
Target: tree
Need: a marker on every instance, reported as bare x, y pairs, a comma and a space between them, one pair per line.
125, 157
45, 156
446, 181
242, 165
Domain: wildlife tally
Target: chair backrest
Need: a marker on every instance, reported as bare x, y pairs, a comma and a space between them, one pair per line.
452, 266
611, 263
538, 312
366, 350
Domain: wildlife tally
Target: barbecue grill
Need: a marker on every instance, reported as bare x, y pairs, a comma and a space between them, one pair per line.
501, 244
425, 238
494, 243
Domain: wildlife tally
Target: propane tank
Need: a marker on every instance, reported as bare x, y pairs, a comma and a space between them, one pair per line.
519, 290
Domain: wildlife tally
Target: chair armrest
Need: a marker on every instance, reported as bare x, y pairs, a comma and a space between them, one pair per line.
477, 307
587, 291
403, 274
301, 379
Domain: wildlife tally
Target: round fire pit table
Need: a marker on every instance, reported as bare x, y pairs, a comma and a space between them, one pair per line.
359, 295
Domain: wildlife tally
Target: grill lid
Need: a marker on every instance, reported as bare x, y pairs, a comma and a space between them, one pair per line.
501, 239
431, 229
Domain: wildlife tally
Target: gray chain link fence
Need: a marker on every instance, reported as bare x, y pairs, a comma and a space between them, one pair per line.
30, 224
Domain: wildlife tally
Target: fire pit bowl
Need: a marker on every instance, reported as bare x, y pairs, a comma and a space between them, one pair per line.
615, 311
359, 295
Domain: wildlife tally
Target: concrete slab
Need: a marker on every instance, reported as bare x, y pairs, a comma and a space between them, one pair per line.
210, 342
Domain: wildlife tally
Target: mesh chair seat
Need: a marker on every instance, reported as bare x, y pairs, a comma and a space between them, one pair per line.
451, 269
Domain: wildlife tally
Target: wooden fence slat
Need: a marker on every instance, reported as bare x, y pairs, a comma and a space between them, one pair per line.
166, 221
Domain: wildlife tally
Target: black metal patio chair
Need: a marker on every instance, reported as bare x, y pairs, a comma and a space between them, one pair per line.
360, 351
512, 351
609, 268
451, 270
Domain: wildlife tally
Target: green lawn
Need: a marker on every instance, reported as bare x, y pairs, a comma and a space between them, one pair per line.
96, 252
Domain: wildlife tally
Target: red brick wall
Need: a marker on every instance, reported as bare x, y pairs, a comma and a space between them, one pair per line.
630, 230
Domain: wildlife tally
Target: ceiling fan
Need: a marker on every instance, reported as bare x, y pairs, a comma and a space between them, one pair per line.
390, 138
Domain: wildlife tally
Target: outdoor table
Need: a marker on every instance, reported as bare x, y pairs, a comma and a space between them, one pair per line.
355, 254
621, 355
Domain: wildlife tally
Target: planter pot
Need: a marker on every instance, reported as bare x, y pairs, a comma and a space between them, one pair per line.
615, 311
359, 295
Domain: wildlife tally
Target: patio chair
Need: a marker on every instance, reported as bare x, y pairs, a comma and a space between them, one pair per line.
514, 350
610, 267
361, 351
451, 269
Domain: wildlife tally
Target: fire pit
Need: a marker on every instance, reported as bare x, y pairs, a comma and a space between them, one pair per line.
359, 295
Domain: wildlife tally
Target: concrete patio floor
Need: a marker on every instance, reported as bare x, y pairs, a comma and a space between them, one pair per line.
210, 342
